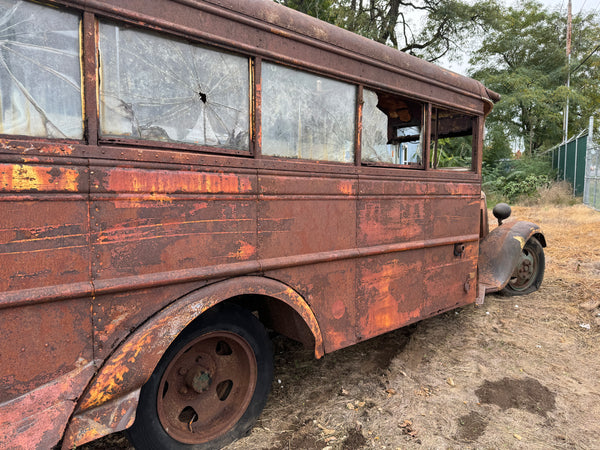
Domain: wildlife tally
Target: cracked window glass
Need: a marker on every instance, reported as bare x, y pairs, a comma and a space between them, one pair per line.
40, 76
307, 116
162, 89
392, 130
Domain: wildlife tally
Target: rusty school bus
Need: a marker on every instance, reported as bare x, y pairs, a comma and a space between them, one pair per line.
178, 176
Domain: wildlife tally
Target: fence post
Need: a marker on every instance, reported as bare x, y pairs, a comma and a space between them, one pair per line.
575, 169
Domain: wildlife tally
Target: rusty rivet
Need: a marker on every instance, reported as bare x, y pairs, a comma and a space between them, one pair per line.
183, 390
182, 371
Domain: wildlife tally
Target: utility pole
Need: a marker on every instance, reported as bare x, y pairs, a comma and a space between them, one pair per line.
566, 114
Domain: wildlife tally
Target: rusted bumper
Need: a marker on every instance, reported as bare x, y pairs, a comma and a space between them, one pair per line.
500, 250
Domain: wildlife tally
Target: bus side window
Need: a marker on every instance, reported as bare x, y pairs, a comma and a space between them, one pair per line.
451, 139
40, 78
392, 130
307, 116
161, 89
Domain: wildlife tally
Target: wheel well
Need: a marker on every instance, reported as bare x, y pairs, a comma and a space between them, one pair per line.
540, 237
276, 315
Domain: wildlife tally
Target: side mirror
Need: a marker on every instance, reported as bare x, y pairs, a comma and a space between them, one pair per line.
501, 212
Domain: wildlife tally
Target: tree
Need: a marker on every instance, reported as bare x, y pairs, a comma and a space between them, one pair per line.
447, 24
523, 58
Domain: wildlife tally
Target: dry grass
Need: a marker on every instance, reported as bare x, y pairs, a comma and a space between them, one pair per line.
557, 194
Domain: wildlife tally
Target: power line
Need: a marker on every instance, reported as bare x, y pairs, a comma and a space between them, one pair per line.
586, 58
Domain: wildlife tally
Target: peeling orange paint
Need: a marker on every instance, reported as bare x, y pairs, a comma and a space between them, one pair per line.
63, 150
169, 182
24, 177
244, 251
112, 375
345, 187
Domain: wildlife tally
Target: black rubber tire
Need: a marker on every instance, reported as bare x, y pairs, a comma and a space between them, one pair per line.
148, 433
533, 253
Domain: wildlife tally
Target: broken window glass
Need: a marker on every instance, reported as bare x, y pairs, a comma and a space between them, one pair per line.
307, 116
392, 130
451, 139
40, 77
163, 89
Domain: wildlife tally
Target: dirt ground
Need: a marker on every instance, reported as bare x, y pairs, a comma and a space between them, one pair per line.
517, 372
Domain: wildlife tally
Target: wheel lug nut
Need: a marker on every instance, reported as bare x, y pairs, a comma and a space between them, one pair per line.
183, 390
182, 371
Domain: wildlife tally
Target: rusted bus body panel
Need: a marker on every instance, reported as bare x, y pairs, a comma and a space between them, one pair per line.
151, 220
44, 217
426, 278
396, 222
45, 361
303, 213
290, 216
109, 248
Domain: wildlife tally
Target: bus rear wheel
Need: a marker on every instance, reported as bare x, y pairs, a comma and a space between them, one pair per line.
529, 271
209, 387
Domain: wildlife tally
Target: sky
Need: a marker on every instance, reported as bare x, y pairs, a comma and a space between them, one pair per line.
588, 6
561, 5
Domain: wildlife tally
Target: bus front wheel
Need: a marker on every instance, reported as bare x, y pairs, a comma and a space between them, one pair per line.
529, 271
209, 387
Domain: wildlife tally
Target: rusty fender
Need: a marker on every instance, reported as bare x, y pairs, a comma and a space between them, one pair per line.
500, 250
38, 419
111, 399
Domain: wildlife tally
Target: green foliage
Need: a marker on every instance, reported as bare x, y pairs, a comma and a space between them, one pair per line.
321, 9
455, 152
515, 179
496, 147
523, 58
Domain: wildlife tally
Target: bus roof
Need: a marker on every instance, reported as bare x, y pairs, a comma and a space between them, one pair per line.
280, 34
302, 25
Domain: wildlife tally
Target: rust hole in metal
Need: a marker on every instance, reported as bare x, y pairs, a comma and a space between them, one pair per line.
223, 348
188, 415
224, 389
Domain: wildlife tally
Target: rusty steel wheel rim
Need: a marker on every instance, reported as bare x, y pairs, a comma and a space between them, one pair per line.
526, 271
207, 387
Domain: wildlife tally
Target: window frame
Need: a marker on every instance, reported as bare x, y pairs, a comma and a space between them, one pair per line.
476, 142
82, 86
425, 126
259, 113
175, 145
